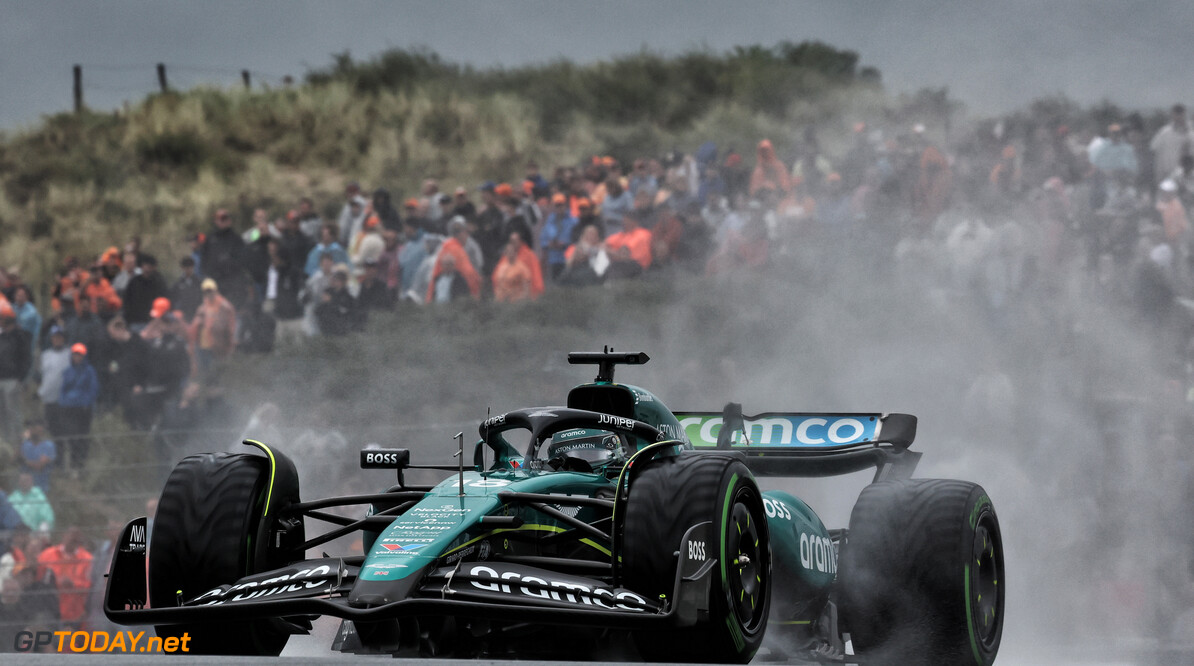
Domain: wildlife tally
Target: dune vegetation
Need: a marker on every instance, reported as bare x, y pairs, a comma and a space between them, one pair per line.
158, 168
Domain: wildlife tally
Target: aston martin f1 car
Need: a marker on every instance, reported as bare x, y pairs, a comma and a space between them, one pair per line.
609, 526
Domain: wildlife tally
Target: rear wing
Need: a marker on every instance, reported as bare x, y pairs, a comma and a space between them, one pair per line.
808, 444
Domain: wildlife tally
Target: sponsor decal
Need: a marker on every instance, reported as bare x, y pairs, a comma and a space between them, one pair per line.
616, 421
385, 565
406, 531
817, 554
408, 539
445, 509
284, 584
494, 421
672, 431
778, 430
696, 550
405, 548
542, 414
776, 509
373, 458
483, 551
459, 555
515, 583
136, 542
569, 434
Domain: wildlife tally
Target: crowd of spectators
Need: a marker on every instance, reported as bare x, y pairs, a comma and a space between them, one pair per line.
995, 213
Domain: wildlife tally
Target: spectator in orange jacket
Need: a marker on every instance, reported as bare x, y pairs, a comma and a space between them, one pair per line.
71, 565
630, 249
455, 246
92, 287
512, 277
531, 260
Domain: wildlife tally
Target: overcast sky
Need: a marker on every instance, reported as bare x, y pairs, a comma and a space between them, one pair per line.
992, 55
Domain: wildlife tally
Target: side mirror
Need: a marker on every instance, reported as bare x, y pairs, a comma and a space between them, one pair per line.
479, 456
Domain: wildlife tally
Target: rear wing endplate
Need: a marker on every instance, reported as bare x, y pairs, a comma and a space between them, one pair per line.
808, 443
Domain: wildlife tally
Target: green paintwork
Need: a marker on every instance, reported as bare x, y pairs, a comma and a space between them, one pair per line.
445, 521
799, 537
647, 408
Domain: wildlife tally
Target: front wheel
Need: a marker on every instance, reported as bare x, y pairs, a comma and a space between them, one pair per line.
667, 498
921, 574
209, 531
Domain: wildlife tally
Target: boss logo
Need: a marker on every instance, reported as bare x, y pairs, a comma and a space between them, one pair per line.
696, 551
385, 458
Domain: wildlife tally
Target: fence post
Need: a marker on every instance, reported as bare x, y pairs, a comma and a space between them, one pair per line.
244, 75
162, 76
78, 88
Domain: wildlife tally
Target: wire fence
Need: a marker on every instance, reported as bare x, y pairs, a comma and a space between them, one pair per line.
110, 84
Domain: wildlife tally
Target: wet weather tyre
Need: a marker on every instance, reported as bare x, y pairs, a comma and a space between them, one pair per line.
921, 575
206, 533
665, 499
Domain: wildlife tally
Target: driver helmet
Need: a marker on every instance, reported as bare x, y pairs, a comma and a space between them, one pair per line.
596, 447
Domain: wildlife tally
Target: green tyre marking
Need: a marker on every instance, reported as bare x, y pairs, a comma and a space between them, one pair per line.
273, 466
970, 618
731, 619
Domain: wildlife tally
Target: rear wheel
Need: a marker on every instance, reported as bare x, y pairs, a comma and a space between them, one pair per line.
208, 531
921, 575
667, 498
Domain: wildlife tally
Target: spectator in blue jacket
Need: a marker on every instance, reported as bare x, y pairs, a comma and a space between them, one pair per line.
80, 387
38, 454
327, 243
27, 315
557, 235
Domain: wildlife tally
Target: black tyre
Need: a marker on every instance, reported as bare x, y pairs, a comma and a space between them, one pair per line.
665, 499
208, 532
921, 576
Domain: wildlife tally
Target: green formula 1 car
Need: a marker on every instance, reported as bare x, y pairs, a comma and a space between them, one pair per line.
609, 527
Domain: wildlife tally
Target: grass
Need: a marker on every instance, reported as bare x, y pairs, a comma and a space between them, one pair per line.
79, 183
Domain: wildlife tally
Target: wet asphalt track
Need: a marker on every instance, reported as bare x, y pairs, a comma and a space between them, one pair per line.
313, 650
1135, 656
164, 660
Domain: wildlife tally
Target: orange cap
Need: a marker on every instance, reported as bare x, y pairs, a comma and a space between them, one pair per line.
504, 190
78, 348
584, 203
411, 203
372, 221
160, 307
558, 198
6, 310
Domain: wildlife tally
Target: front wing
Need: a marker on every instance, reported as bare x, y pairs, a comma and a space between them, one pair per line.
491, 589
